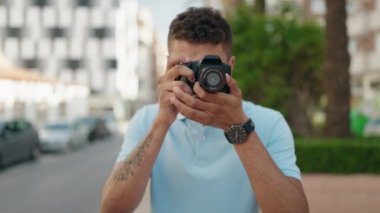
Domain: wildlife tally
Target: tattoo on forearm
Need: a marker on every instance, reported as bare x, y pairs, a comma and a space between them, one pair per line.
129, 166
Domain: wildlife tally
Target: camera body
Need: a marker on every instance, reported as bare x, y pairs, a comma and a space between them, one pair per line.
210, 72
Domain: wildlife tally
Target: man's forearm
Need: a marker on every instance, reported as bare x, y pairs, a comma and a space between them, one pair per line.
274, 191
125, 187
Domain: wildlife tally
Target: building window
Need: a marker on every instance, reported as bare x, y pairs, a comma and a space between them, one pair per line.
115, 3
41, 3
377, 42
110, 33
18, 112
375, 85
14, 32
2, 32
112, 64
84, 3
352, 46
369, 6
31, 63
100, 32
74, 64
353, 7
57, 32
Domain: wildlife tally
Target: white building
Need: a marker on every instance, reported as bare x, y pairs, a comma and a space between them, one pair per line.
146, 66
140, 56
364, 31
70, 40
127, 49
105, 45
30, 95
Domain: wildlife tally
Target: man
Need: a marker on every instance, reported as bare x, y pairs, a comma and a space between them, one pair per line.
180, 144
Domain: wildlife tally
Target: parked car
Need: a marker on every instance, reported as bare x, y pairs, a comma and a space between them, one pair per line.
111, 122
372, 128
18, 141
62, 136
96, 127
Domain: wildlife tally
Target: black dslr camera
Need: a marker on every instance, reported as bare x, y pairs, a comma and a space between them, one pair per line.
210, 73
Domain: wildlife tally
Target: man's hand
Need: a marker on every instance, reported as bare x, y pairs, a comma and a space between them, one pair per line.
219, 109
167, 112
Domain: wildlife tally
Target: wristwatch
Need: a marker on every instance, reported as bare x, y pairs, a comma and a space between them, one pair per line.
238, 134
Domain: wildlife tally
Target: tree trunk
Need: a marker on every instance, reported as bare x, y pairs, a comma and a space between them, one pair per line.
306, 10
336, 75
299, 103
259, 6
298, 118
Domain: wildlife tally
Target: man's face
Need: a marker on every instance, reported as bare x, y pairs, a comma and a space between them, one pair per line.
180, 51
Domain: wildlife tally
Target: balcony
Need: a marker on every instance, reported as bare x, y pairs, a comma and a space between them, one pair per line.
357, 65
362, 22
361, 63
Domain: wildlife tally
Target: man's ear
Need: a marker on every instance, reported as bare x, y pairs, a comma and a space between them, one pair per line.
231, 62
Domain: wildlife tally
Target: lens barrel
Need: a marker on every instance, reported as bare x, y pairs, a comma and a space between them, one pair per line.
212, 79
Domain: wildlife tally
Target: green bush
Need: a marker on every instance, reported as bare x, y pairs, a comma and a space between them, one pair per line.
343, 156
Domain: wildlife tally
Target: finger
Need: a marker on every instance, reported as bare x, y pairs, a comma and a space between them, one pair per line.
208, 97
179, 84
179, 70
184, 87
174, 61
193, 114
232, 84
170, 85
193, 102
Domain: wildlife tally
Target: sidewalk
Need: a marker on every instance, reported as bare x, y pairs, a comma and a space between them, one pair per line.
342, 193
330, 193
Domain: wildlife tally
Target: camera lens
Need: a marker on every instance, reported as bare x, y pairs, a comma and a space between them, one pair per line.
213, 79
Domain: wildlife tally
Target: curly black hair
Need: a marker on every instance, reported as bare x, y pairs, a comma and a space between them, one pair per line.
200, 26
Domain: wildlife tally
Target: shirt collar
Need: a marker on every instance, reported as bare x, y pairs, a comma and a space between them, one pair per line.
191, 123
180, 117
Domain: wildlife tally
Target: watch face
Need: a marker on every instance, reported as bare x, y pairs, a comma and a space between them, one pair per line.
236, 135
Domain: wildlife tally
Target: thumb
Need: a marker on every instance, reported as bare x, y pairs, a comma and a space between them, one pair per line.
232, 84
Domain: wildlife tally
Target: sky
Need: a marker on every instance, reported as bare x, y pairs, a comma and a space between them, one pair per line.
164, 11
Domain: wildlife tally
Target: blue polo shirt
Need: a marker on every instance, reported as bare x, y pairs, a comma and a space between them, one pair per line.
197, 170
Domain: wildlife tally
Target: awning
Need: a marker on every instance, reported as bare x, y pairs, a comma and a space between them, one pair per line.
20, 74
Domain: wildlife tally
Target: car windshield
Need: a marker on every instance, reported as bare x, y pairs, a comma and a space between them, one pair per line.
87, 120
57, 127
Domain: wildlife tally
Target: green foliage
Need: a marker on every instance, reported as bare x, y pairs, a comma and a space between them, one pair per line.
344, 156
276, 56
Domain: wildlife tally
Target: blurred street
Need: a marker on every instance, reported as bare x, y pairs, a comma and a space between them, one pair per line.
72, 182
342, 193
59, 183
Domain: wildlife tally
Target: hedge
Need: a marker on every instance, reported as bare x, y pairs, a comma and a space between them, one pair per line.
342, 156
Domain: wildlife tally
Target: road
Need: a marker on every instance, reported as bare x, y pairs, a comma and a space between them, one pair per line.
59, 183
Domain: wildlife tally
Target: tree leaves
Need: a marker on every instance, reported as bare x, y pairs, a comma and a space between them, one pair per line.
277, 58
